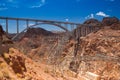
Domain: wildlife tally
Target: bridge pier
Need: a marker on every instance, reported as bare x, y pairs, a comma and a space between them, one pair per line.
6, 25
72, 27
17, 26
66, 26
27, 23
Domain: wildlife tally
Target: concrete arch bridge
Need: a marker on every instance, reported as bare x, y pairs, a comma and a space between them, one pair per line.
60, 24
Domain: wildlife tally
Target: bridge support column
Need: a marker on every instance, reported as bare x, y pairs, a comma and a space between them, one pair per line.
36, 22
27, 23
6, 25
66, 26
72, 27
17, 26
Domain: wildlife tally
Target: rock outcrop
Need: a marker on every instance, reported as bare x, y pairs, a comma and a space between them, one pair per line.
99, 53
15, 60
4, 41
1, 33
96, 46
34, 32
93, 22
108, 21
111, 22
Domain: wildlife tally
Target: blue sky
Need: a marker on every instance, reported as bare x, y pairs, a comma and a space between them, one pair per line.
61, 10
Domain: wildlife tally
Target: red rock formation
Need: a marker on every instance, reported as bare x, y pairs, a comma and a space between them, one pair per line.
34, 32
4, 41
93, 22
1, 33
108, 21
99, 53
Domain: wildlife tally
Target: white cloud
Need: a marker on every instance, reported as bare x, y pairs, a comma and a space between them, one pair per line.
19, 3
41, 3
100, 13
36, 6
3, 6
67, 19
90, 16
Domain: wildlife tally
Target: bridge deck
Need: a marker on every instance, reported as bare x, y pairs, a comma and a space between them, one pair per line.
37, 20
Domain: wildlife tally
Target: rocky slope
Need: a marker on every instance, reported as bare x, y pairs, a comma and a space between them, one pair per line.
99, 52
86, 56
4, 39
33, 32
5, 42
14, 65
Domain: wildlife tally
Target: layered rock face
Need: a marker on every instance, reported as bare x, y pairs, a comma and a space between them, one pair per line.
1, 33
34, 32
98, 50
93, 22
112, 22
4, 41
14, 65
99, 53
108, 21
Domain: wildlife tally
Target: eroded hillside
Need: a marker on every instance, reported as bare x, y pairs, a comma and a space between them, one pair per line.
91, 53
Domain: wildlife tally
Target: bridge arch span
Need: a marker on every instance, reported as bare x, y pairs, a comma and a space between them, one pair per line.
54, 24
60, 24
57, 25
